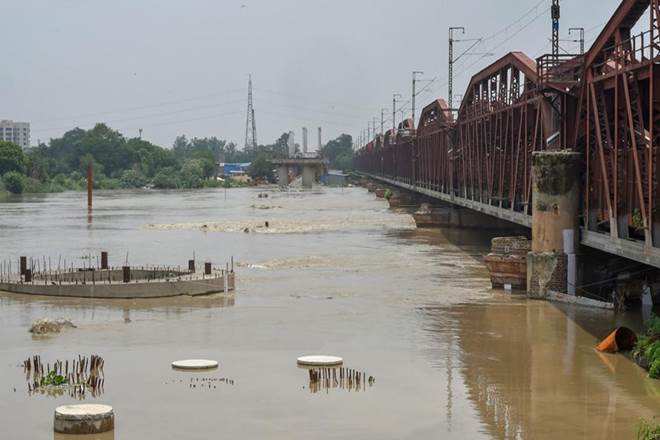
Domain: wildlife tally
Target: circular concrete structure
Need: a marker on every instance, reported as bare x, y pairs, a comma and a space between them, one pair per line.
195, 364
84, 419
320, 361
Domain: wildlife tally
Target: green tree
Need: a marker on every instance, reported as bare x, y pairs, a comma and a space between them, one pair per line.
208, 162
38, 163
166, 179
184, 149
108, 147
132, 179
12, 158
261, 168
66, 151
149, 158
338, 151
234, 155
14, 182
343, 162
192, 174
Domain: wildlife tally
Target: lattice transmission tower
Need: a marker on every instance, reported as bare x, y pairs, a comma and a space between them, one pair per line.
555, 13
251, 123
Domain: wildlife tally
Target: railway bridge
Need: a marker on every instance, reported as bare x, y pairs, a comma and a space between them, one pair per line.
603, 106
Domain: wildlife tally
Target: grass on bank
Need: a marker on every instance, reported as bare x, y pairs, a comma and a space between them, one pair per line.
648, 430
647, 350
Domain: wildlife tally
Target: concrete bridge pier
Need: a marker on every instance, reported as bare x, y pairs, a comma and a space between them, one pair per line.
400, 198
309, 176
283, 175
551, 265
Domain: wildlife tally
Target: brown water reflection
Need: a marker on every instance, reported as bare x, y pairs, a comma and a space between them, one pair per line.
532, 372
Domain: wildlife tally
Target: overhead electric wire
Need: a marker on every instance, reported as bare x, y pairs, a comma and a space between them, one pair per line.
153, 115
545, 11
289, 96
142, 107
480, 41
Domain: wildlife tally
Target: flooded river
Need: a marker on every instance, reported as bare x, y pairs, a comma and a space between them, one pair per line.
336, 272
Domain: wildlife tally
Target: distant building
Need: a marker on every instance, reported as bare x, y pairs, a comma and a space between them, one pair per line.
16, 132
233, 169
335, 178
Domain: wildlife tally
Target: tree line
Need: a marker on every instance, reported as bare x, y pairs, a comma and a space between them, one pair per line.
121, 162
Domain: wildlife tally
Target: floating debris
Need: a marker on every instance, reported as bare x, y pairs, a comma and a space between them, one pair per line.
47, 325
77, 379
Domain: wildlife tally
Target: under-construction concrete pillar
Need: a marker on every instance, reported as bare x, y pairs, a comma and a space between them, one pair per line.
555, 204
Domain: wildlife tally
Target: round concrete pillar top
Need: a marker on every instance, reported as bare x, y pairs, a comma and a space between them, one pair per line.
84, 410
195, 364
320, 361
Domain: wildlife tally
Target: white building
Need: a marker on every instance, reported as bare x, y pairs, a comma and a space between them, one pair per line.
16, 132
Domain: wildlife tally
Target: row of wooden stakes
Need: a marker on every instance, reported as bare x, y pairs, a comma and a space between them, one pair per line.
344, 378
82, 367
75, 378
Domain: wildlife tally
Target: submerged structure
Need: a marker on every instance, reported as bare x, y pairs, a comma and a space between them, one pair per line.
116, 282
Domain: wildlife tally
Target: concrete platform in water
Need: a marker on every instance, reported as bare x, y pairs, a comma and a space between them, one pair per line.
112, 283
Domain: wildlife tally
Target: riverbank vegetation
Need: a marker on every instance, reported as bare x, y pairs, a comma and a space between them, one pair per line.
648, 430
647, 349
340, 153
121, 162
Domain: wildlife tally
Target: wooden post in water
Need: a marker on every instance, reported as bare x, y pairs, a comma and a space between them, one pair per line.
90, 183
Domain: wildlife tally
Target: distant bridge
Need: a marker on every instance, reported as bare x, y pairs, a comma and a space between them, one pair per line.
604, 105
311, 168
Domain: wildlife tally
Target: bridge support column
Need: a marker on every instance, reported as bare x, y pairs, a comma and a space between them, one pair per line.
555, 205
308, 176
283, 175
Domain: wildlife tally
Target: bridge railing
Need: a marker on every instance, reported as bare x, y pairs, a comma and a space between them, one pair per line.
559, 70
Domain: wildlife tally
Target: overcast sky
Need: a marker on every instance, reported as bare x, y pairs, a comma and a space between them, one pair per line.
176, 67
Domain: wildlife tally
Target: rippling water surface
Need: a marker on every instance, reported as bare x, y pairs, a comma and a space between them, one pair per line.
335, 272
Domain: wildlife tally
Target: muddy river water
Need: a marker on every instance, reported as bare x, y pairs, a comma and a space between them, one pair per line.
336, 272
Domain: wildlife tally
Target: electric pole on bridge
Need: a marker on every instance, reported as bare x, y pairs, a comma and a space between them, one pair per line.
450, 79
579, 40
555, 12
394, 100
414, 83
382, 121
